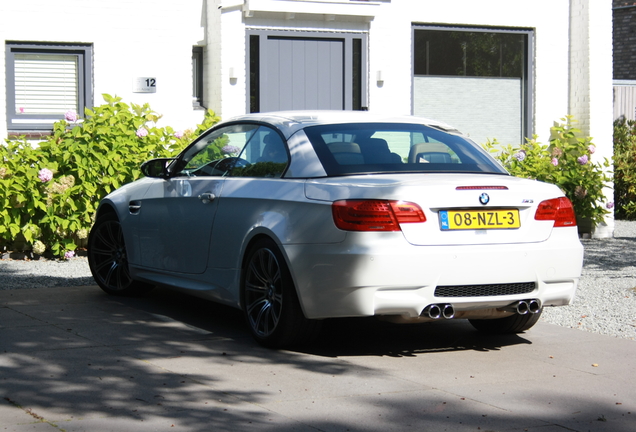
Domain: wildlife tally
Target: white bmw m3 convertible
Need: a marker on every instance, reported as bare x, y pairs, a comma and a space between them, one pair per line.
296, 217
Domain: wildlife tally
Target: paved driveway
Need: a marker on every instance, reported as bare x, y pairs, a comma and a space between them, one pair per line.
75, 359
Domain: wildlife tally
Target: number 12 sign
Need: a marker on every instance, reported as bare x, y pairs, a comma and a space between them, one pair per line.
145, 85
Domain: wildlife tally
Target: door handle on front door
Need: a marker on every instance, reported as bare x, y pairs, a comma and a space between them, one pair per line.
207, 197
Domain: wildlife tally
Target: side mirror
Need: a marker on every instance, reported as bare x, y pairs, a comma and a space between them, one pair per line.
157, 168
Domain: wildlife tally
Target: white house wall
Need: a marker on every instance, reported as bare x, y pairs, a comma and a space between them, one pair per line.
571, 51
140, 38
591, 93
154, 38
551, 44
389, 26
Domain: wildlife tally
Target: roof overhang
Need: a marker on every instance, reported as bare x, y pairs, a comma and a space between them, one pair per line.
327, 10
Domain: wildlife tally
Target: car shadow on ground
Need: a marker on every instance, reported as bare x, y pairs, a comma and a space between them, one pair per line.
338, 337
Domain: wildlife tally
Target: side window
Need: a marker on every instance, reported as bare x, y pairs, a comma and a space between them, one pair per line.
216, 153
265, 155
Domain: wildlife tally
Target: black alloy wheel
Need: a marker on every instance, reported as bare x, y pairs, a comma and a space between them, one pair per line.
108, 261
269, 299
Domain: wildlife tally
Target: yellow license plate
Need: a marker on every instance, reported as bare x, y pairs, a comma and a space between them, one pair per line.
479, 219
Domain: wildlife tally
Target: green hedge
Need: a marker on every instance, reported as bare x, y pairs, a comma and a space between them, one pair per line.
49, 192
625, 169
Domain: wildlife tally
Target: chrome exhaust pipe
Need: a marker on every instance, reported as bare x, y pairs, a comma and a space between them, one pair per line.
433, 311
448, 311
522, 307
534, 306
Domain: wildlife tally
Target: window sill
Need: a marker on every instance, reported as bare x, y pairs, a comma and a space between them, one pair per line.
30, 135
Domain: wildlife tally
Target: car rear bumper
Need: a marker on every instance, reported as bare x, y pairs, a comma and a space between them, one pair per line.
381, 274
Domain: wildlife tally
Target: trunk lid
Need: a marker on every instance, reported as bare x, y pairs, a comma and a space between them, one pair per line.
490, 201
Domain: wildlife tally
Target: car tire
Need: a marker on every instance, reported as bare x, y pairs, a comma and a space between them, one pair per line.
513, 324
107, 259
270, 303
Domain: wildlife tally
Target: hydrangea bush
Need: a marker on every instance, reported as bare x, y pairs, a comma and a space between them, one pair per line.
566, 162
49, 192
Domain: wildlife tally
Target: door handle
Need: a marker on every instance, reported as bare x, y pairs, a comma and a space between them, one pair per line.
134, 207
207, 197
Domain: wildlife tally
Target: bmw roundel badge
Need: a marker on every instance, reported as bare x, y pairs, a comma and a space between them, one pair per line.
484, 198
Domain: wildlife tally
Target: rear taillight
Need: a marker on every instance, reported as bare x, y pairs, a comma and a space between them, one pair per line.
559, 210
375, 215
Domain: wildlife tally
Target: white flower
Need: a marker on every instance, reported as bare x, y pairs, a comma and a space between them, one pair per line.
38, 247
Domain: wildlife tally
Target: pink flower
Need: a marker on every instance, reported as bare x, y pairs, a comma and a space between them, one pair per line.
591, 148
45, 175
609, 205
555, 161
179, 134
142, 132
582, 159
71, 116
21, 110
69, 254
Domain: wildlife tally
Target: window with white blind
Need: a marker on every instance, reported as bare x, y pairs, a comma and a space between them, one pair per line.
46, 81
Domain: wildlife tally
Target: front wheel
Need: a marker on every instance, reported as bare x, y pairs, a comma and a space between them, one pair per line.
512, 324
108, 261
269, 299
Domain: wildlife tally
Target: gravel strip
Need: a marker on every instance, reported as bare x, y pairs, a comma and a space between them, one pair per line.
44, 273
605, 302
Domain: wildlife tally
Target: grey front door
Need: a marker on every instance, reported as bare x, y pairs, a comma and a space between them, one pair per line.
302, 74
306, 71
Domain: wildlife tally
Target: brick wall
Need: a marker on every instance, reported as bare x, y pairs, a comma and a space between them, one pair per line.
624, 21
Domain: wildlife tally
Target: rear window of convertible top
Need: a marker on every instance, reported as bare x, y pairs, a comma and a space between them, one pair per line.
365, 148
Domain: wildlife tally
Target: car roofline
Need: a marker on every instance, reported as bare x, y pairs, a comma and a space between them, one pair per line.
292, 121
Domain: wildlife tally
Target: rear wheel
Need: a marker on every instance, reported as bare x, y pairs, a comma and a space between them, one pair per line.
513, 324
269, 299
108, 261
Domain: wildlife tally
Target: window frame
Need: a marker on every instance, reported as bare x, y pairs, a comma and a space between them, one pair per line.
39, 122
197, 77
527, 123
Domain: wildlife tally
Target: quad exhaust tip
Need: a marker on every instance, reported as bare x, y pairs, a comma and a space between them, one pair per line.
436, 311
523, 307
447, 310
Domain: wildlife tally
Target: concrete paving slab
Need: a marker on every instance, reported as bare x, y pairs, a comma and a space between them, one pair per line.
427, 410
39, 337
10, 318
19, 419
81, 360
